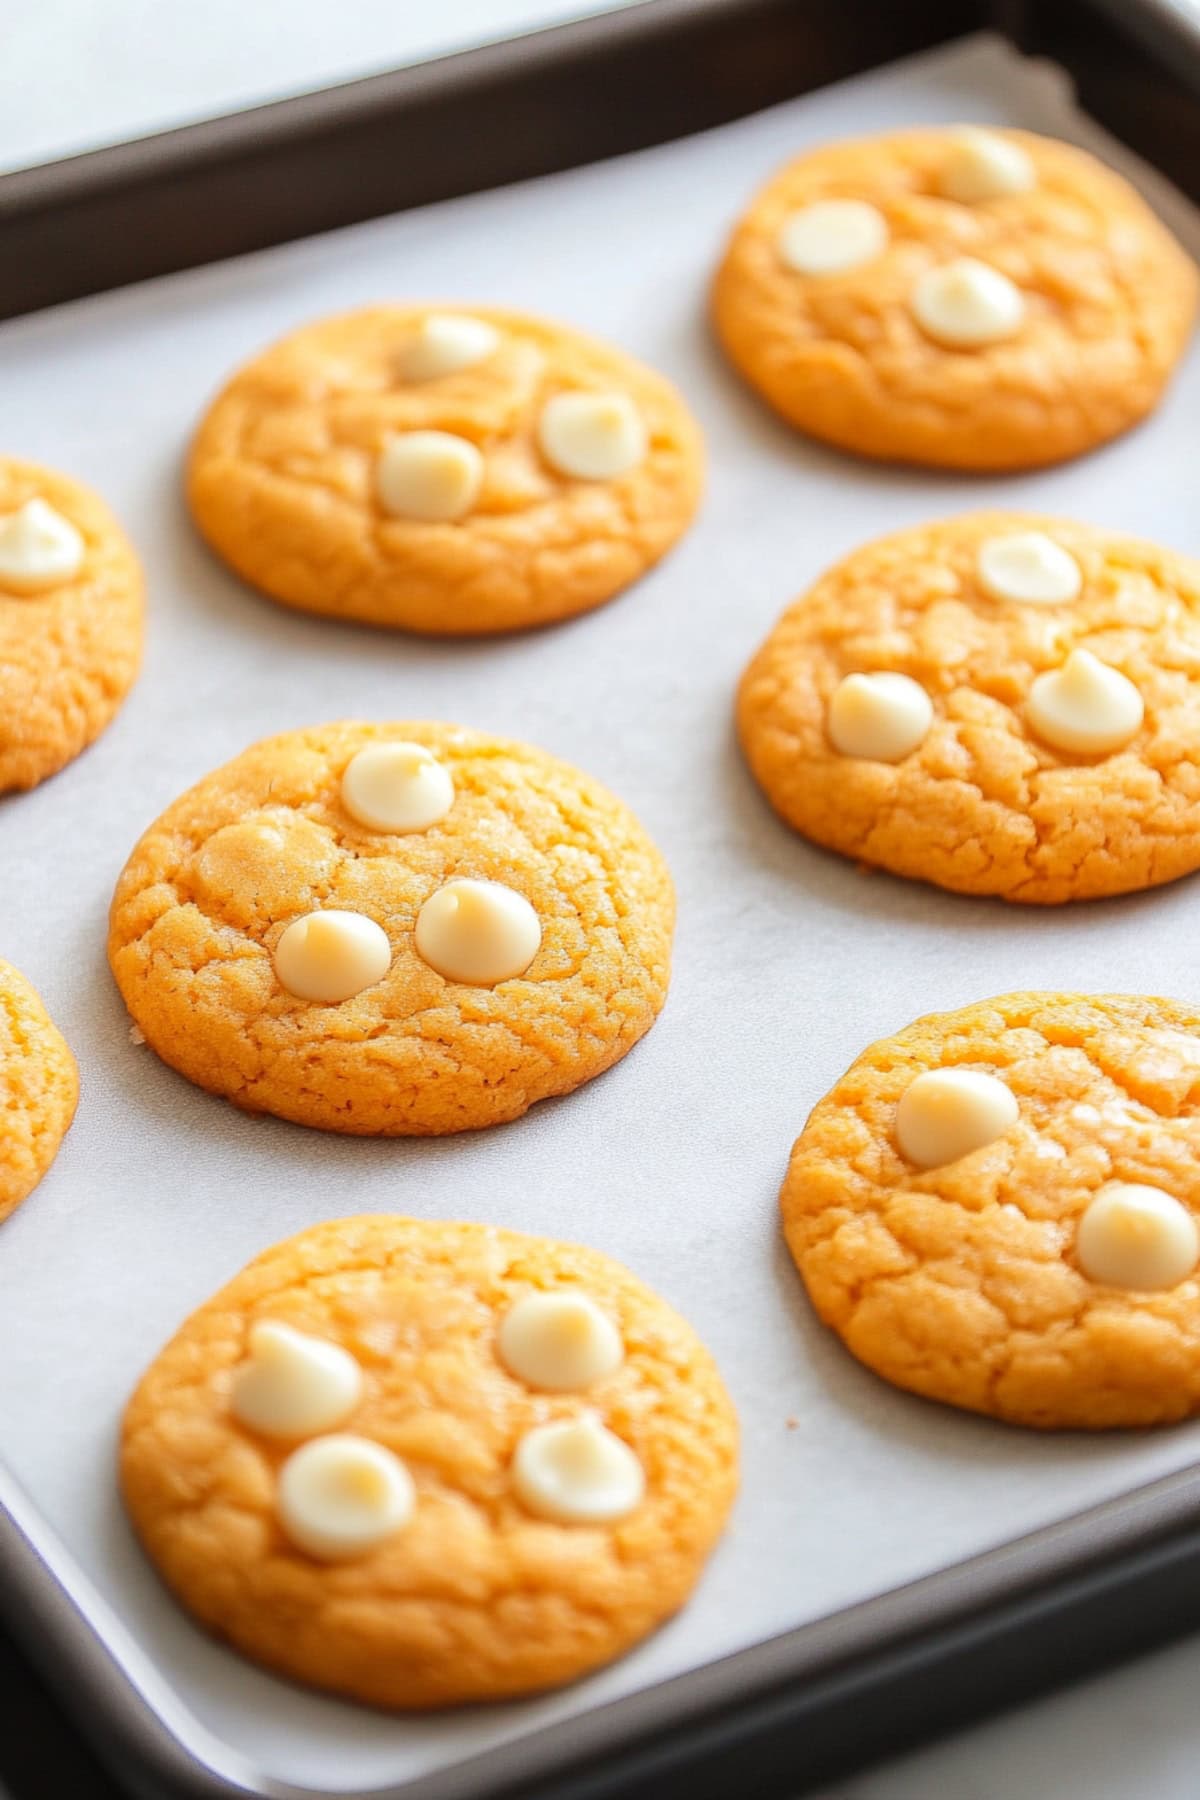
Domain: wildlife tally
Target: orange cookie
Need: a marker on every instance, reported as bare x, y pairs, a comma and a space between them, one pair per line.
998, 703
393, 929
959, 297
998, 1208
39, 1086
424, 1463
443, 470
70, 621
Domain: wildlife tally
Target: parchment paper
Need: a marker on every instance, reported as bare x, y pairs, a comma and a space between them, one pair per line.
788, 961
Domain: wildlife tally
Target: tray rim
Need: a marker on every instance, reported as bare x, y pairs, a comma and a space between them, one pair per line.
80, 1640
201, 192
131, 1712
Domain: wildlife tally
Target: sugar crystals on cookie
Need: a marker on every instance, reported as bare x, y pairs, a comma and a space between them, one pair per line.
997, 703
978, 299
71, 602
447, 470
999, 1207
467, 1463
393, 929
39, 1088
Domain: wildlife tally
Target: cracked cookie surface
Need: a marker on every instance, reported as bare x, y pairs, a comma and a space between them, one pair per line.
474, 1598
962, 1283
1109, 302
39, 1087
982, 805
69, 652
212, 886
281, 478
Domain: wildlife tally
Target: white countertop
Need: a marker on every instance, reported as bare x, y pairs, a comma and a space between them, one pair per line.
75, 74
1130, 1735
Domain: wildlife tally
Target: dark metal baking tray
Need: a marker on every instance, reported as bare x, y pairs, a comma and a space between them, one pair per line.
771, 1722
603, 86
796, 1710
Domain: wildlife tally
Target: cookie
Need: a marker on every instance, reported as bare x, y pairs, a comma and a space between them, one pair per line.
39, 1086
956, 297
444, 471
998, 1208
70, 621
393, 929
424, 1463
998, 703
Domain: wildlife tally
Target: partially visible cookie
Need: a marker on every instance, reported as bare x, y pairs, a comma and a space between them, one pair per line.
998, 703
393, 929
423, 1463
39, 1086
952, 296
444, 470
70, 620
998, 1207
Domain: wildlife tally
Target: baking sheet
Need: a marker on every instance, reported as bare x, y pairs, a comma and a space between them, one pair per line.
788, 961
80, 87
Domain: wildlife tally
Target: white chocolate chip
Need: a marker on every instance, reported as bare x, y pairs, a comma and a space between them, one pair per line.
966, 304
477, 931
292, 1385
342, 1496
982, 165
948, 1113
38, 549
1137, 1237
1086, 707
880, 717
559, 1341
397, 787
1030, 567
443, 343
331, 956
577, 1472
432, 476
592, 437
831, 237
